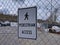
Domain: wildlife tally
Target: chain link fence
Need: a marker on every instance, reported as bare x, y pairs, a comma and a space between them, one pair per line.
46, 9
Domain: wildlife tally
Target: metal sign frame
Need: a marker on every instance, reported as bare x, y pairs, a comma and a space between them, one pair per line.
35, 25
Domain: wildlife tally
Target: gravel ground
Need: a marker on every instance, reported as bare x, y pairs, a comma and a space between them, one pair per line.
9, 36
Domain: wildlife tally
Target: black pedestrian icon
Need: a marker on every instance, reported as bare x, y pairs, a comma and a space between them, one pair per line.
26, 16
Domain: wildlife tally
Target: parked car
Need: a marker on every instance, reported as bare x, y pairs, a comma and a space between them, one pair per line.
56, 28
6, 23
0, 24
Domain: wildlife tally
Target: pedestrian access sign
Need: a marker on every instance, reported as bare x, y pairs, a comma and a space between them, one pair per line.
27, 22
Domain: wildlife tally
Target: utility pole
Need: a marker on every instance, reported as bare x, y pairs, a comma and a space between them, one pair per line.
54, 15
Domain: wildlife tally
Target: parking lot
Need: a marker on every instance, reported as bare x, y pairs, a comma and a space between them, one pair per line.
9, 36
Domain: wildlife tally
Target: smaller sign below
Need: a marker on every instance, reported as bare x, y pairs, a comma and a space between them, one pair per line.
27, 32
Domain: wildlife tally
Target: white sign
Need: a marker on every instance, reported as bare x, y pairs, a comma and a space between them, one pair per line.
27, 23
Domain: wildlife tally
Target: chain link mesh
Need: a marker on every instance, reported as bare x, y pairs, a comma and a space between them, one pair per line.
44, 7
9, 36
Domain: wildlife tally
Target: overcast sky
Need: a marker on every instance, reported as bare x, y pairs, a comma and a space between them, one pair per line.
43, 7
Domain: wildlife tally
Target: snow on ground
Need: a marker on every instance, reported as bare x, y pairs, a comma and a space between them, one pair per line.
14, 24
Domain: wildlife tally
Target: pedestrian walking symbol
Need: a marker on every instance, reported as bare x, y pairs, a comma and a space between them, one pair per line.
26, 16
27, 22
